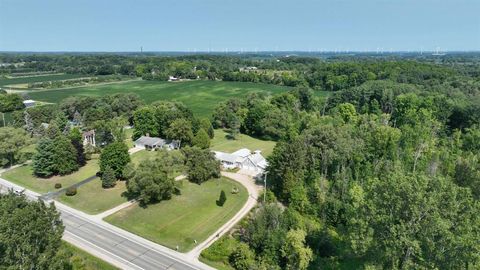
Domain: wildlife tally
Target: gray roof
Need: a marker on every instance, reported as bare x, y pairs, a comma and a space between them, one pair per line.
225, 157
150, 141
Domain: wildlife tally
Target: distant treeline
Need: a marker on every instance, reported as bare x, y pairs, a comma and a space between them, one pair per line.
332, 74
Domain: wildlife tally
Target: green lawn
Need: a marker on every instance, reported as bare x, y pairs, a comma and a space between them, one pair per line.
221, 142
81, 260
24, 177
143, 155
92, 199
193, 215
200, 96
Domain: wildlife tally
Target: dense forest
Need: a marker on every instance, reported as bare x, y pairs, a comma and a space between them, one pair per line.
382, 173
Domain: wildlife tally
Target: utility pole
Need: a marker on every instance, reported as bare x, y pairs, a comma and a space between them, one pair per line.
265, 189
3, 118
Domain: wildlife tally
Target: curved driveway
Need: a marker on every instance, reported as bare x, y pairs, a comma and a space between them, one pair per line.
253, 193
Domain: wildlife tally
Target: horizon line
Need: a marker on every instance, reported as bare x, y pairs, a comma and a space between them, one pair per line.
249, 52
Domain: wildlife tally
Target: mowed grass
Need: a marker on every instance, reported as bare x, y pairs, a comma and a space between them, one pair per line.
83, 260
141, 156
42, 78
200, 96
24, 177
92, 199
221, 142
193, 215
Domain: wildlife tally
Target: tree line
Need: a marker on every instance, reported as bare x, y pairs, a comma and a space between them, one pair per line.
383, 175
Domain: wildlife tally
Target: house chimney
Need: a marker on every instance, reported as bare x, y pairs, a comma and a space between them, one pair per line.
257, 151
148, 134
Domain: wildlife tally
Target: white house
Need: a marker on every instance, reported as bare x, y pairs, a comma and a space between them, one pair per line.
29, 103
172, 79
150, 143
244, 159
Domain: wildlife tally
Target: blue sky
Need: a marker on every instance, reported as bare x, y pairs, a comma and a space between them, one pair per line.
188, 25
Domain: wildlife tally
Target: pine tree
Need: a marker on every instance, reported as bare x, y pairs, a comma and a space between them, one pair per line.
76, 139
108, 178
44, 161
222, 199
65, 156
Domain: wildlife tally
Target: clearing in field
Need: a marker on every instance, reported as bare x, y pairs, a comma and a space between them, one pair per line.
24, 177
223, 143
92, 199
193, 215
200, 96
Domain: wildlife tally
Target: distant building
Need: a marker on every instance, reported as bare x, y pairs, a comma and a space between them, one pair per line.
152, 143
243, 159
88, 138
248, 68
29, 103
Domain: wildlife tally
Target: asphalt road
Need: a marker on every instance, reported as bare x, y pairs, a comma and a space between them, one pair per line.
134, 254
113, 244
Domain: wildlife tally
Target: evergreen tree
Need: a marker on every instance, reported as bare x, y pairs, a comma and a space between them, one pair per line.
222, 199
44, 159
108, 178
65, 156
76, 139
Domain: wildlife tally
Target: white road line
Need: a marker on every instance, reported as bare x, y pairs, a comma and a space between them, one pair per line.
179, 260
104, 250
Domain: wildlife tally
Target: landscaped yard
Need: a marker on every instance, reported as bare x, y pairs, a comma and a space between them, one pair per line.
221, 142
200, 96
83, 260
143, 155
92, 199
193, 215
24, 177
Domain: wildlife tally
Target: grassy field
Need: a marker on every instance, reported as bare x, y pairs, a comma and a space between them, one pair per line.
200, 96
24, 177
193, 215
221, 142
141, 156
82, 260
92, 199
45, 78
